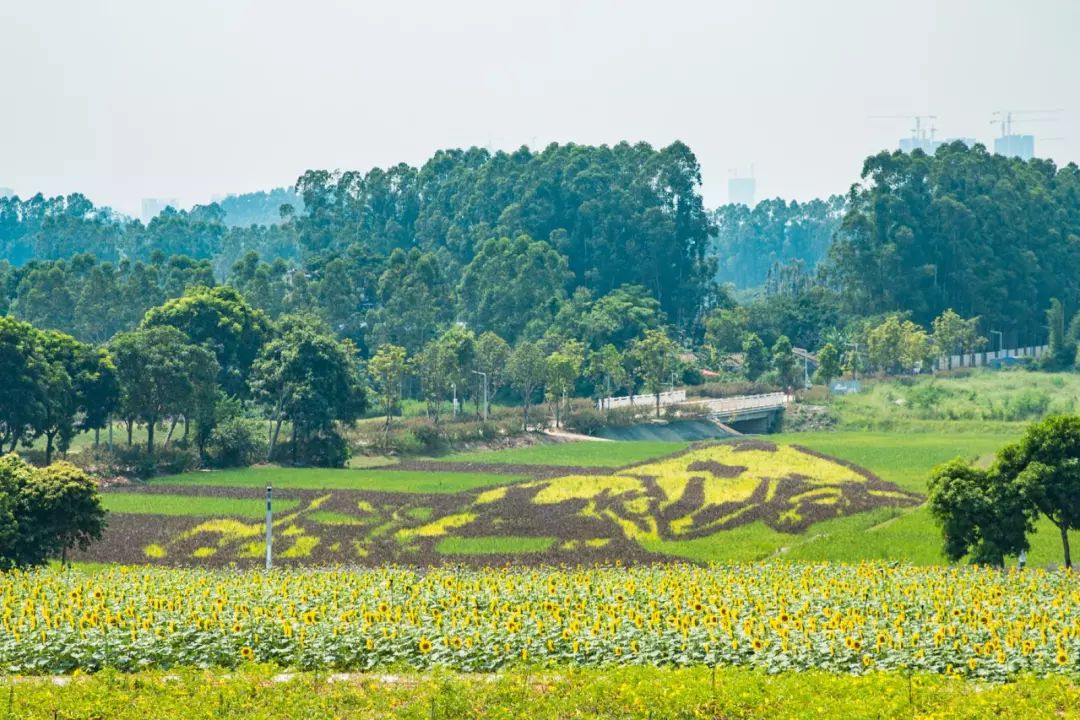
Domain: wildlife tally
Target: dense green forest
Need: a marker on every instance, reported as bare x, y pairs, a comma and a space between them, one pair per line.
260, 208
751, 242
550, 273
986, 235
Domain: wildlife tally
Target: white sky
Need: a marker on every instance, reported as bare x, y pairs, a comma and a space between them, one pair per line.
125, 99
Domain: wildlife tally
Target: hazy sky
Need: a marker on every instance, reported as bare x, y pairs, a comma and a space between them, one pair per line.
125, 99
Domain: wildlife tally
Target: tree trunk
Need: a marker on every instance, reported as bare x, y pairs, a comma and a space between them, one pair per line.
525, 417
150, 436
130, 425
1065, 545
172, 427
48, 448
657, 404
277, 427
97, 436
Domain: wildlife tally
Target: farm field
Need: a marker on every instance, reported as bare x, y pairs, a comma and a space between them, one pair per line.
628, 693
594, 454
848, 619
696, 503
846, 496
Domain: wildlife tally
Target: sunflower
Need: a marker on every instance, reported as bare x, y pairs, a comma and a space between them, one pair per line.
247, 653
425, 645
1062, 657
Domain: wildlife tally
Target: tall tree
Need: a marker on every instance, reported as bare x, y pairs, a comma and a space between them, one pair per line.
387, 368
981, 513
563, 368
1045, 465
161, 374
222, 321
657, 360
512, 283
492, 354
308, 377
526, 368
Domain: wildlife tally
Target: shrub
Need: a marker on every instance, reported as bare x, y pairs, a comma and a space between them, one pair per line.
235, 442
325, 448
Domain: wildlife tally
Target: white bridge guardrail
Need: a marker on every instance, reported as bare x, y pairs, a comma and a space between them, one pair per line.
719, 406
742, 403
671, 397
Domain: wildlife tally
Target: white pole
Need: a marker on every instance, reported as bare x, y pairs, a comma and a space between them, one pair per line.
269, 527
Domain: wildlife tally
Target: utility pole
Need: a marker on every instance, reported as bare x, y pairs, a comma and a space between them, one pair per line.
269, 527
484, 376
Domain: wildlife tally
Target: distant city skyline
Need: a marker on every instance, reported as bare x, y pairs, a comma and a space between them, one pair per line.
124, 100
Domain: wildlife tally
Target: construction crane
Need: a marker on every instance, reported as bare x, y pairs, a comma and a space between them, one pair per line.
918, 131
1004, 118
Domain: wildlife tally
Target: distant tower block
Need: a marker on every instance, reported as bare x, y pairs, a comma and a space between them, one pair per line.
152, 207
741, 191
1018, 146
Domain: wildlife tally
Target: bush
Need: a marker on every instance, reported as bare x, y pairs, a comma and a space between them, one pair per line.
236, 442
324, 448
134, 462
1027, 404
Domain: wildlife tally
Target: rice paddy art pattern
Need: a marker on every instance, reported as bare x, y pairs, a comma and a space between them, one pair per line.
572, 515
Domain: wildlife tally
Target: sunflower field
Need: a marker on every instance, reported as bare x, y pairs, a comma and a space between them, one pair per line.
774, 616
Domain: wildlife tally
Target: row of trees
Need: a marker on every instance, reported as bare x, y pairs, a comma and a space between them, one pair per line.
196, 360
986, 235
62, 227
750, 242
460, 364
888, 344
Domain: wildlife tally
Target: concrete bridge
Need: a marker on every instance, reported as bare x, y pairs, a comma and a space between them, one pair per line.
747, 413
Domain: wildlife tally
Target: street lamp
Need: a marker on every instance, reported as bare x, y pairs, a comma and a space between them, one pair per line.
269, 526
484, 375
1001, 340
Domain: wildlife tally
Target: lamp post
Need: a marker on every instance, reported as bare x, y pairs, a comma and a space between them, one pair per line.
269, 526
484, 375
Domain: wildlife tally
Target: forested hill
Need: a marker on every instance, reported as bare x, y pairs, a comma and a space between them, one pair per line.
749, 242
260, 208
982, 234
509, 242
589, 242
622, 215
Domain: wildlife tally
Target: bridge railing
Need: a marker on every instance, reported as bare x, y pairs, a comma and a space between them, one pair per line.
671, 397
747, 402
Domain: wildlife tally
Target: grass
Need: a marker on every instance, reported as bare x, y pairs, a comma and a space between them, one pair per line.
584, 453
905, 458
189, 505
494, 545
409, 481
633, 693
980, 400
